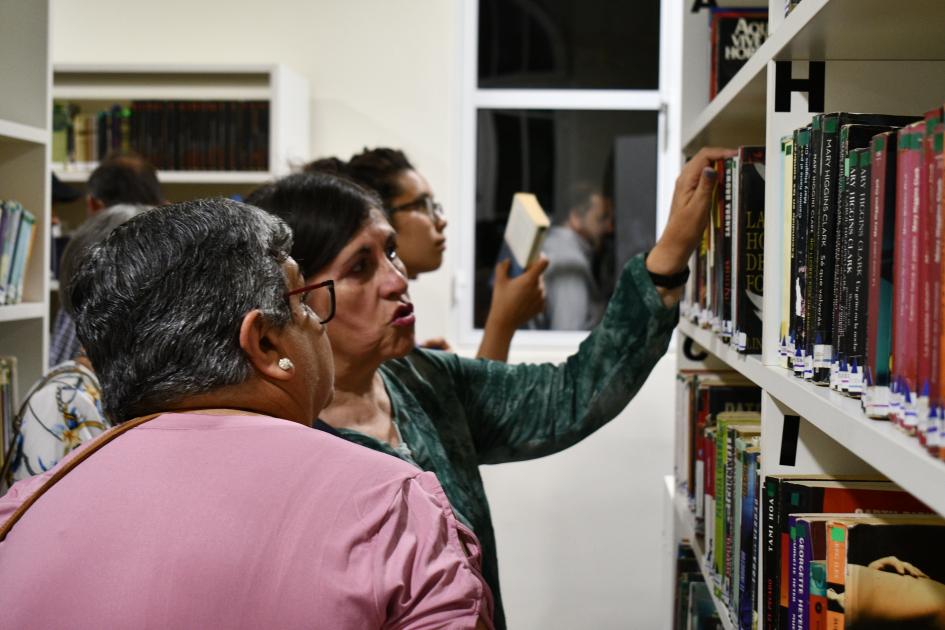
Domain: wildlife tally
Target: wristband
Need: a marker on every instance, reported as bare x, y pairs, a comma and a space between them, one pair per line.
672, 281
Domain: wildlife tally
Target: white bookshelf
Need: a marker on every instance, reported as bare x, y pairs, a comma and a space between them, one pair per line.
184, 177
24, 172
879, 57
100, 85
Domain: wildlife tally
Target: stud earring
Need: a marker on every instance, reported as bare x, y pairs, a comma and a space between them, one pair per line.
286, 364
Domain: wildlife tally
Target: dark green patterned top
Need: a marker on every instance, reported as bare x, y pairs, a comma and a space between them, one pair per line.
455, 414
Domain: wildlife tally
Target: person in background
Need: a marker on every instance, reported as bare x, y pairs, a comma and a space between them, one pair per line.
125, 178
449, 414
574, 298
420, 222
221, 507
64, 408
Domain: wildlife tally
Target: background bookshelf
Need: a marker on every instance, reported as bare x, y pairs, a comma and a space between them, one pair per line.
94, 87
24, 172
879, 57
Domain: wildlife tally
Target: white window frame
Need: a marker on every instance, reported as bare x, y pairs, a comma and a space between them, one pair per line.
665, 101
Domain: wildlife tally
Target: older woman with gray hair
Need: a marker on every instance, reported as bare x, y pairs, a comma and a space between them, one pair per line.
214, 503
64, 408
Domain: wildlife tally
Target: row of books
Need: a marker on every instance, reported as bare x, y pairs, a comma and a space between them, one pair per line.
694, 608
862, 295
172, 135
725, 292
827, 551
17, 229
719, 414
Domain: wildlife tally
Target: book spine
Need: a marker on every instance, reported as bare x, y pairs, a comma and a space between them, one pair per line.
813, 260
836, 572
787, 249
857, 280
726, 247
827, 172
770, 564
720, 498
883, 256
910, 357
748, 531
731, 202
840, 314
750, 244
727, 525
793, 574
799, 230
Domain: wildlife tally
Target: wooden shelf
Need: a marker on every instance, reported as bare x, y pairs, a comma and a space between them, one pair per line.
19, 312
185, 177
878, 442
12, 131
685, 519
819, 30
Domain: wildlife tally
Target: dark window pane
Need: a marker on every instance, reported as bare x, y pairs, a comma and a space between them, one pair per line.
592, 44
566, 157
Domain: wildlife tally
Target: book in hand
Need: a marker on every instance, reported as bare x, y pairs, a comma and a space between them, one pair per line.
524, 233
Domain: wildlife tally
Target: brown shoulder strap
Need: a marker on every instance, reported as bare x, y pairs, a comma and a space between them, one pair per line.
66, 468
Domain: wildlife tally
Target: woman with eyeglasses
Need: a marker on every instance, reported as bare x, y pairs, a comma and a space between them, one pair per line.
449, 414
215, 504
420, 222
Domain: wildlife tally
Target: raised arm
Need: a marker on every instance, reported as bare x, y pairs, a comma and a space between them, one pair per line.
525, 411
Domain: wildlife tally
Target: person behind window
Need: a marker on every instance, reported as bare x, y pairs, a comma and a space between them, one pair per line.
121, 178
420, 222
450, 414
227, 509
575, 300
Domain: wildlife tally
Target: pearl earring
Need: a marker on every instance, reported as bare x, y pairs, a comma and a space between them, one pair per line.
286, 364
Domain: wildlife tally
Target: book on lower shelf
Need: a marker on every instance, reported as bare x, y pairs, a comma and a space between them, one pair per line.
8, 405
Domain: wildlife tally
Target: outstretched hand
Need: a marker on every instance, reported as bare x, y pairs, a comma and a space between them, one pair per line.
689, 212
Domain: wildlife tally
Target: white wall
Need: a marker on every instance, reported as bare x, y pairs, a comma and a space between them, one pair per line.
578, 532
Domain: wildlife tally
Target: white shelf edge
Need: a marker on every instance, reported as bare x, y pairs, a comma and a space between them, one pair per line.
24, 311
24, 133
756, 65
169, 93
185, 177
879, 443
167, 68
687, 519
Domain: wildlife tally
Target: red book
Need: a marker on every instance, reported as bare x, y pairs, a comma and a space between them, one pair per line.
906, 268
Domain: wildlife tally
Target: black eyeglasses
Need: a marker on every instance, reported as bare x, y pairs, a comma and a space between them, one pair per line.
322, 303
425, 204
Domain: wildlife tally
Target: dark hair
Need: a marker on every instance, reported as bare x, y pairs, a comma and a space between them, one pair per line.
579, 200
93, 231
159, 303
378, 170
324, 211
330, 165
125, 178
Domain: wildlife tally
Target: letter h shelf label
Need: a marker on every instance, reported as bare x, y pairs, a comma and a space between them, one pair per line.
785, 83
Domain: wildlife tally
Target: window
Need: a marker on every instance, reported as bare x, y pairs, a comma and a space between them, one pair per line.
561, 98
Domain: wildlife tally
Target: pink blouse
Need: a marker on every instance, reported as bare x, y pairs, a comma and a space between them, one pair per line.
238, 521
